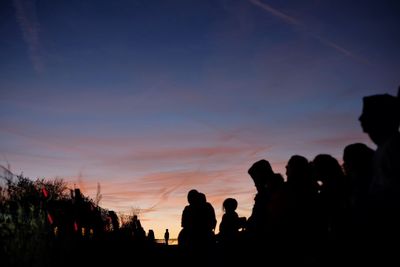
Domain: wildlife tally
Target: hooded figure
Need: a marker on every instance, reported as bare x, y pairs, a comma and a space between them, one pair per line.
380, 119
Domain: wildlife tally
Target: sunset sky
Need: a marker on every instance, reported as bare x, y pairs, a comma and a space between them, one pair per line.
151, 98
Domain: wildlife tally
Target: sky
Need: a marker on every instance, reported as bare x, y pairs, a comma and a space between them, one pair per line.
152, 98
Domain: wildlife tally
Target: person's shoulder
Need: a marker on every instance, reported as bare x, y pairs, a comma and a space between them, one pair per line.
187, 208
392, 146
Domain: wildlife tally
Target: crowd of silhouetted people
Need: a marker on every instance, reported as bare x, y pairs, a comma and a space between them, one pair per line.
323, 214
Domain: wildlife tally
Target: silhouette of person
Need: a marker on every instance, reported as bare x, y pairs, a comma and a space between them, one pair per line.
260, 172
150, 237
166, 236
138, 232
302, 196
114, 220
198, 222
229, 237
332, 206
188, 220
358, 168
208, 216
230, 223
380, 119
265, 224
136, 222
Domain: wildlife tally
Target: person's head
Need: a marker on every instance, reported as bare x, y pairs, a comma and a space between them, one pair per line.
230, 204
357, 157
325, 168
380, 117
260, 172
192, 196
275, 181
202, 197
297, 166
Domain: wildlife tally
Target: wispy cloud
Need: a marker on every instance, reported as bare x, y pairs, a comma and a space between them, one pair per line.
341, 49
27, 19
290, 20
159, 190
286, 18
176, 154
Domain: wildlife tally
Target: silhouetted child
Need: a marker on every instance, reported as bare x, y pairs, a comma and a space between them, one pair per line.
229, 236
230, 223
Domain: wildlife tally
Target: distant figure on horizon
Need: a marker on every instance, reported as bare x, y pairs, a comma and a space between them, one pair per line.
166, 236
380, 119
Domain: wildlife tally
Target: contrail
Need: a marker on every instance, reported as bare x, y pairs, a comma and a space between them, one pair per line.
163, 197
294, 22
27, 19
341, 49
288, 19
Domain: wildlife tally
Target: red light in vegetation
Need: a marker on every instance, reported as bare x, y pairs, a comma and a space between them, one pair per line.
75, 227
50, 218
45, 193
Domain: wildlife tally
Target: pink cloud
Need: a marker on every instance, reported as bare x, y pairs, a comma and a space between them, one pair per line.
191, 153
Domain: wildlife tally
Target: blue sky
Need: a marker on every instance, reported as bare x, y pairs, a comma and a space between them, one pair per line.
153, 98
